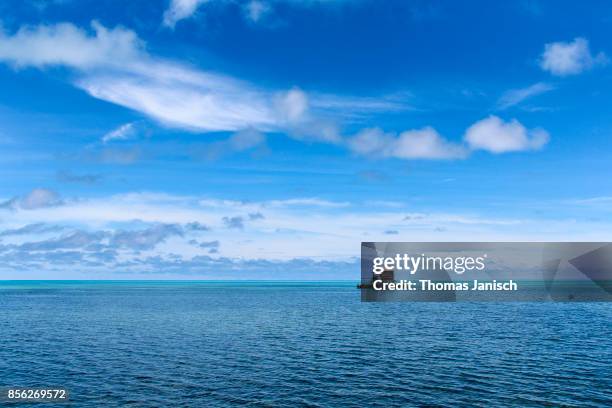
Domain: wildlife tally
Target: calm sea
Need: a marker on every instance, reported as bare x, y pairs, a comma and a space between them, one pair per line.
297, 344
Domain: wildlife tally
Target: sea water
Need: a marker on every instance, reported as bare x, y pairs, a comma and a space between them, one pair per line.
297, 344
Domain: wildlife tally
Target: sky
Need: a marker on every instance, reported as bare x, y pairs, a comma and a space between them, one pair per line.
266, 139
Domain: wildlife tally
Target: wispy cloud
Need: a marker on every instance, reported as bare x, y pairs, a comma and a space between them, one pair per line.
355, 107
242, 141
596, 201
35, 199
184, 98
118, 155
306, 202
71, 240
255, 11
113, 65
179, 10
127, 232
515, 96
31, 229
123, 132
70, 177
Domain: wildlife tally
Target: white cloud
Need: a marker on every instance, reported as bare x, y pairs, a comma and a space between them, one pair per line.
293, 111
604, 201
246, 139
426, 143
355, 107
332, 229
35, 199
423, 143
255, 10
185, 98
145, 238
124, 232
372, 141
123, 132
65, 44
66, 176
306, 202
491, 134
118, 156
515, 96
292, 105
32, 229
179, 10
113, 65
238, 142
570, 58
496, 136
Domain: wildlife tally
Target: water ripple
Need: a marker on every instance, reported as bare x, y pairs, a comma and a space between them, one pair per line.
220, 345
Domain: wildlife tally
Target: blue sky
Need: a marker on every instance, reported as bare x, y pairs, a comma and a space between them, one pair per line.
268, 138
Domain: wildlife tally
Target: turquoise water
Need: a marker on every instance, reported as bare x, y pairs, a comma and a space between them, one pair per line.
297, 344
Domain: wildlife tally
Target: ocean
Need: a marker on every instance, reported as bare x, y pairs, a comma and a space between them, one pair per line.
288, 344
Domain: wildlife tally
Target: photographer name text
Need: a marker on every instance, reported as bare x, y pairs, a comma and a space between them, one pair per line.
429, 285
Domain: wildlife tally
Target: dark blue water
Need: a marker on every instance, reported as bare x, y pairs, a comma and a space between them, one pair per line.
223, 344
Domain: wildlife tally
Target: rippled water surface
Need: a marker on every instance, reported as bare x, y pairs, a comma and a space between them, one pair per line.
279, 344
